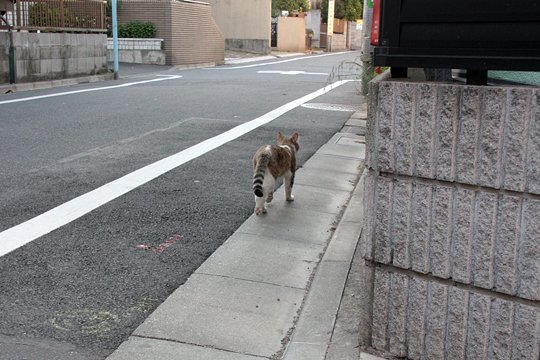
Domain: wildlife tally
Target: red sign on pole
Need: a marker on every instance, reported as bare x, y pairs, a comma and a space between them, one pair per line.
376, 22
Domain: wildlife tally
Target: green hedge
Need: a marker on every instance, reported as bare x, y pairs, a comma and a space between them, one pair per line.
137, 29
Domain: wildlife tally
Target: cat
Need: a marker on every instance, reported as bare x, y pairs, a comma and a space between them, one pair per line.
271, 162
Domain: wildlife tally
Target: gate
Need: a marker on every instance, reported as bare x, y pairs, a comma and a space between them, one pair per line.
273, 37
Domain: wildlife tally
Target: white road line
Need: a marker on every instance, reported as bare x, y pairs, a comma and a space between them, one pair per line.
275, 62
233, 61
162, 78
289, 72
61, 215
331, 107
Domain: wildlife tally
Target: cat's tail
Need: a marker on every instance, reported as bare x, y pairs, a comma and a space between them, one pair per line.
258, 174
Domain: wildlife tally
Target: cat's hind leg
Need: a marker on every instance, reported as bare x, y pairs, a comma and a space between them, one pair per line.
268, 193
289, 181
259, 205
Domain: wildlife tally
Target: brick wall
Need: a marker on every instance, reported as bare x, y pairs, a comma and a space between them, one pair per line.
190, 34
452, 232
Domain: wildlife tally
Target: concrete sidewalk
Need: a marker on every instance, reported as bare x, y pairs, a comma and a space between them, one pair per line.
273, 290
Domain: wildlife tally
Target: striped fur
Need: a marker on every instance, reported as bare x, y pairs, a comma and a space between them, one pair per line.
258, 175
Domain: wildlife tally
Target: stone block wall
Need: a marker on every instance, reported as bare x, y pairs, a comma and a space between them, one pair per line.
452, 229
51, 56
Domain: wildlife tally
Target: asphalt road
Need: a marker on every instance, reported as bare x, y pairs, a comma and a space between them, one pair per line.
78, 291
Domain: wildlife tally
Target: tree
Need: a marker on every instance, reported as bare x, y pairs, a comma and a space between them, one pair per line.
353, 10
343, 9
289, 5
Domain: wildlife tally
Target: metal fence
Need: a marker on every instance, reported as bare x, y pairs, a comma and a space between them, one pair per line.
54, 15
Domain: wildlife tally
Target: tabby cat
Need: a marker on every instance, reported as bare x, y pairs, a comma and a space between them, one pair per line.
271, 162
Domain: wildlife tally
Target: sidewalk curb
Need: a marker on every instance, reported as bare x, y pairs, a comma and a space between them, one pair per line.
312, 335
320, 332
4, 89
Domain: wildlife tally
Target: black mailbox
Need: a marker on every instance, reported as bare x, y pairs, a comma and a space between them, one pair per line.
476, 35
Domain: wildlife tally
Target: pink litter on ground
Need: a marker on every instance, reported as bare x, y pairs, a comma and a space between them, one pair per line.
170, 241
142, 246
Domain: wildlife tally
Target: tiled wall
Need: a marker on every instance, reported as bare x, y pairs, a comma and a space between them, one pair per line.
188, 29
452, 227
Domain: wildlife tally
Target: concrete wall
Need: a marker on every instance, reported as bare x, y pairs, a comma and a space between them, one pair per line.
244, 24
50, 56
291, 34
356, 35
452, 232
313, 22
137, 51
190, 33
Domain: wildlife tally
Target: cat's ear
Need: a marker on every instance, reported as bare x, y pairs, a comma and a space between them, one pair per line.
279, 137
294, 137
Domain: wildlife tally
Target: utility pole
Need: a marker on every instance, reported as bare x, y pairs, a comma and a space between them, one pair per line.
330, 25
115, 38
367, 49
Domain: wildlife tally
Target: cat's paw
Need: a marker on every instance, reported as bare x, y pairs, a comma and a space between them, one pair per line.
270, 197
290, 198
259, 211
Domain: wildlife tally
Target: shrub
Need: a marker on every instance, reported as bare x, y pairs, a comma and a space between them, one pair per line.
343, 9
137, 29
289, 5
